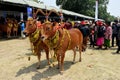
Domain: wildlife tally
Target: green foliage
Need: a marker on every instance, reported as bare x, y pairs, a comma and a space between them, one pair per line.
36, 1
86, 7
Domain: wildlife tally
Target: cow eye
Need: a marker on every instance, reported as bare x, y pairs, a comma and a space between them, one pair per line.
47, 28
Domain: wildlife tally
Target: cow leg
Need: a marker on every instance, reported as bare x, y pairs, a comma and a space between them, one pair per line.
80, 50
47, 55
32, 47
58, 58
53, 56
74, 55
9, 32
38, 56
62, 62
16, 34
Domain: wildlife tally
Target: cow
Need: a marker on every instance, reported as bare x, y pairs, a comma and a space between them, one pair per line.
62, 40
7, 27
34, 34
15, 28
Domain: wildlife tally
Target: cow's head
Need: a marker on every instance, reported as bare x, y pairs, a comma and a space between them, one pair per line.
48, 30
31, 26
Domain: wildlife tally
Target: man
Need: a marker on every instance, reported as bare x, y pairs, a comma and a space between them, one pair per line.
86, 32
118, 38
114, 32
22, 26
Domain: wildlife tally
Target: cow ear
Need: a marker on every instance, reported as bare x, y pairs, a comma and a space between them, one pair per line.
41, 26
53, 24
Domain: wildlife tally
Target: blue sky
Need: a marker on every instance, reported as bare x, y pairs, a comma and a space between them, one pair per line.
113, 6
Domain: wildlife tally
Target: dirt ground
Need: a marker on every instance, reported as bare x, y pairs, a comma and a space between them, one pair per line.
95, 65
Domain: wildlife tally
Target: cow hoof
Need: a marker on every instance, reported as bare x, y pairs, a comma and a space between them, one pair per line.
73, 62
80, 60
50, 66
58, 68
29, 58
61, 72
38, 67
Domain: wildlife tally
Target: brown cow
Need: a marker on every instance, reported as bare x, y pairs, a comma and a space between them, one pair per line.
34, 35
6, 28
15, 28
62, 40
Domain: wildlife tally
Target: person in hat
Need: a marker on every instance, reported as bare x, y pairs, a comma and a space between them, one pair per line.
108, 35
86, 32
100, 34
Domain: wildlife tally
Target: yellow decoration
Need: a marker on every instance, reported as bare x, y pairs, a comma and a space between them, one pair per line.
15, 25
10, 25
34, 37
53, 41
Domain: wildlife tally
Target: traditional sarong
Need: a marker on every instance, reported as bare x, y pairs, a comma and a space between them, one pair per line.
100, 41
107, 43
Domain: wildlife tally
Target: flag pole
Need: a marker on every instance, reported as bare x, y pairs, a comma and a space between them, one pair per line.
96, 11
46, 14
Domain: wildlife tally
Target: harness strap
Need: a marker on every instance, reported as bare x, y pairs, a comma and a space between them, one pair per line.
61, 40
35, 36
69, 39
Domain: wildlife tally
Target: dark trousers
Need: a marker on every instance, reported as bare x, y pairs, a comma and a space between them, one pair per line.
92, 41
114, 36
118, 44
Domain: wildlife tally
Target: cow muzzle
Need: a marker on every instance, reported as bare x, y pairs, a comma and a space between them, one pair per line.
42, 37
25, 33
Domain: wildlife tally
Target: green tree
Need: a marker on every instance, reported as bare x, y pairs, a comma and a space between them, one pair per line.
36, 1
86, 7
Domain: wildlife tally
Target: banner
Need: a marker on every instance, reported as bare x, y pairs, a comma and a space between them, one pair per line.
29, 12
